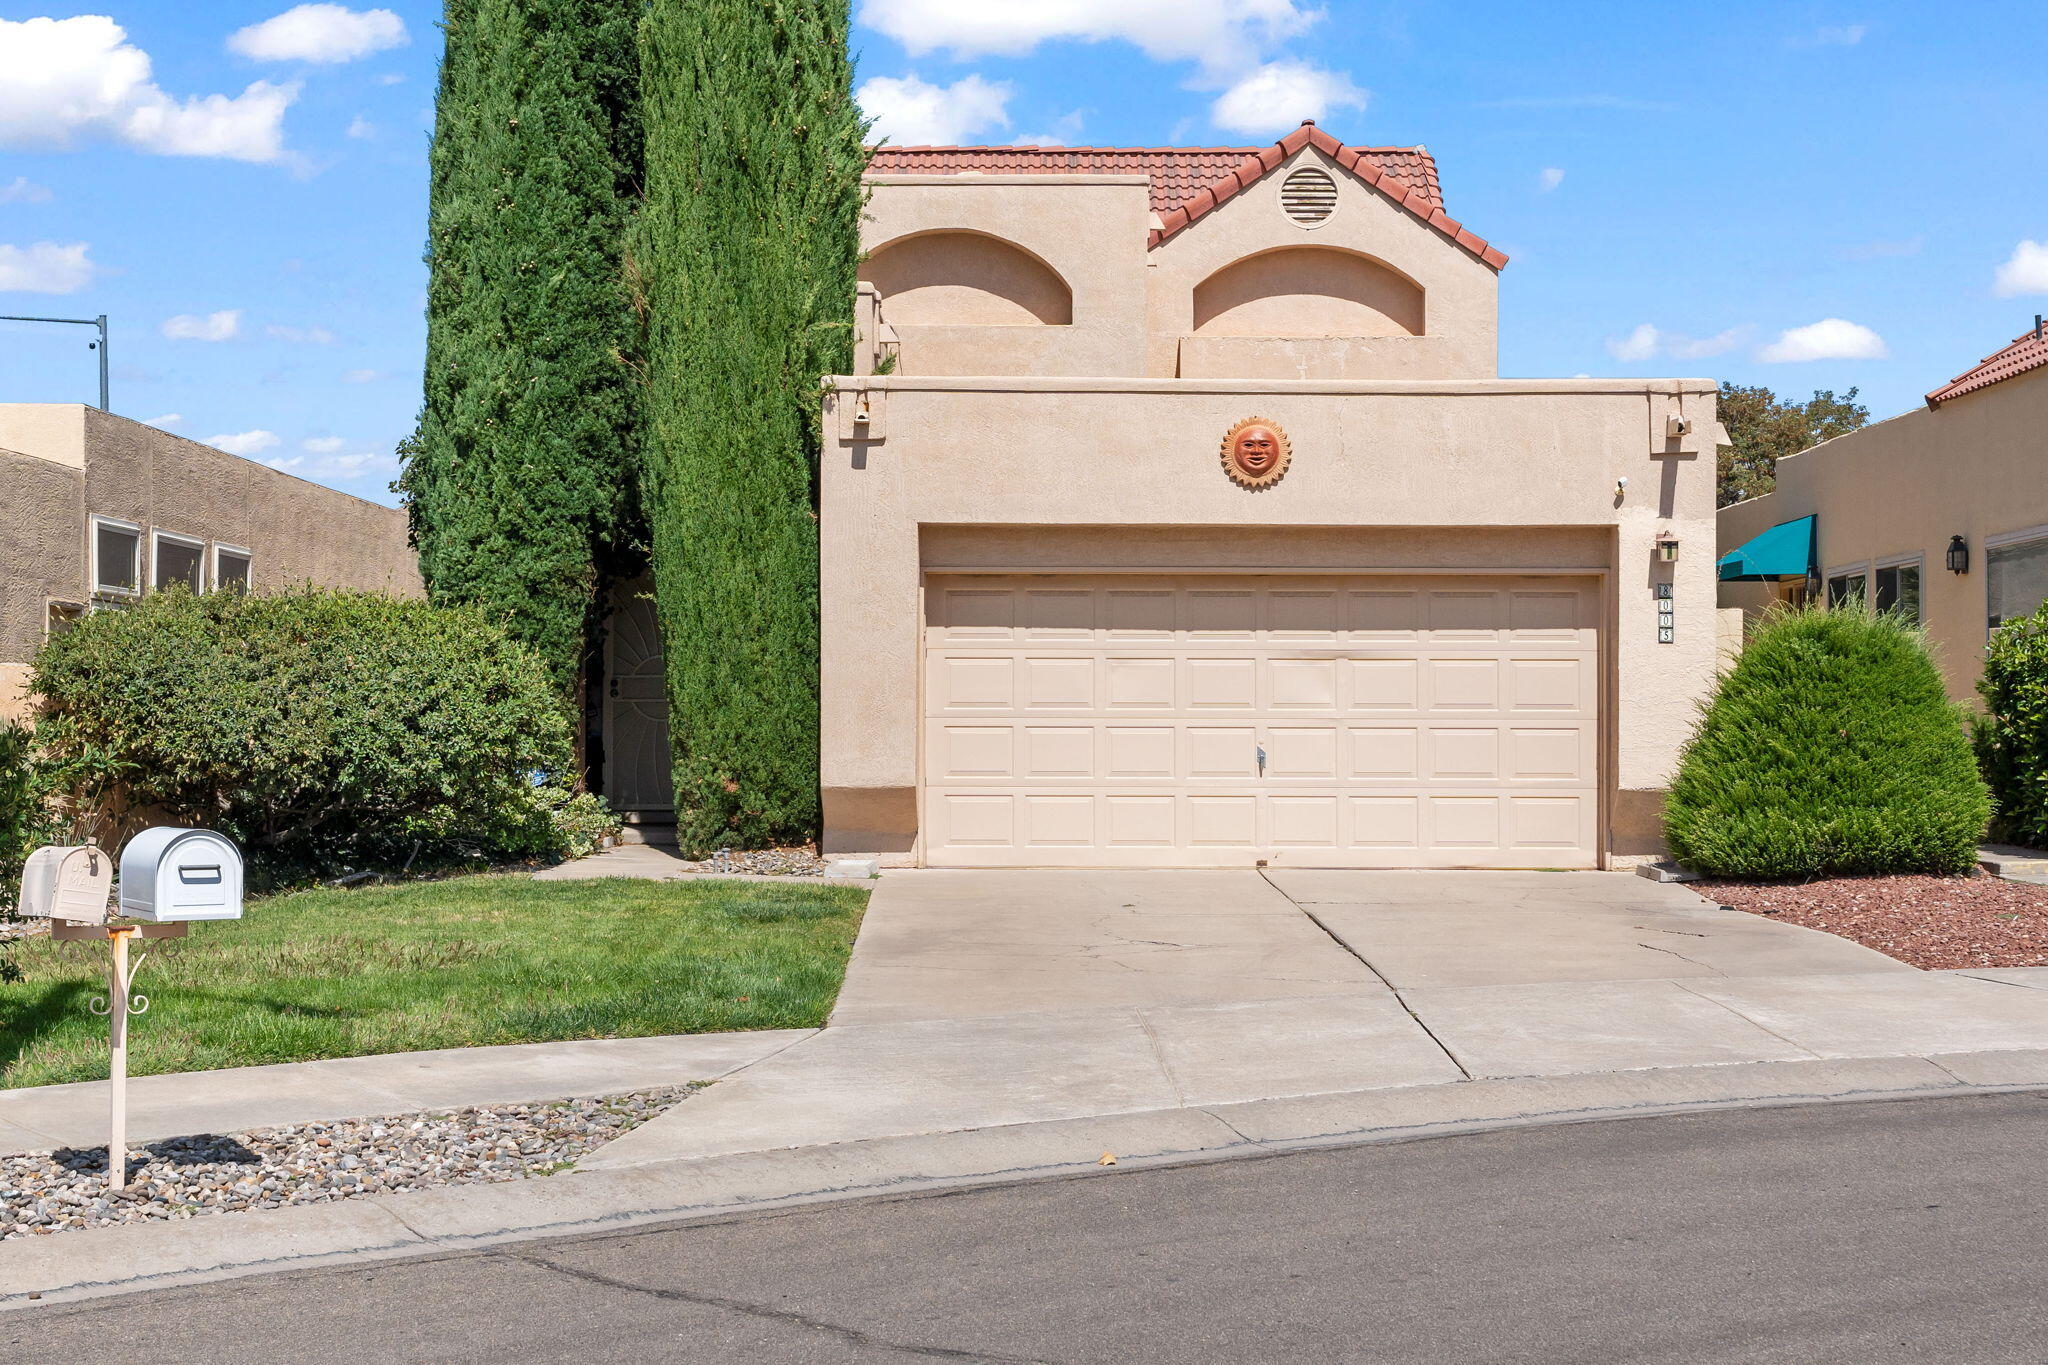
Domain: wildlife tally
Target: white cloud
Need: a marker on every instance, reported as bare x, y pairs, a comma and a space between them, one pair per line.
1550, 179
1640, 344
355, 466
323, 445
910, 112
360, 376
391, 78
2025, 272
1828, 339
1212, 32
285, 462
169, 419
319, 33
244, 442
313, 336
64, 80
360, 127
1062, 134
22, 190
1647, 341
1277, 96
45, 268
1833, 35
225, 325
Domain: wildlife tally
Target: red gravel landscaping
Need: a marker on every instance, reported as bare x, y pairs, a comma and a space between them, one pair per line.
1929, 922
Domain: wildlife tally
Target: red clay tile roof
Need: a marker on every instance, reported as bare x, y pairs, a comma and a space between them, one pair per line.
1187, 182
2029, 351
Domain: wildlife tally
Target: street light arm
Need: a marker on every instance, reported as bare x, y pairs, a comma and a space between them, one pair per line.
101, 345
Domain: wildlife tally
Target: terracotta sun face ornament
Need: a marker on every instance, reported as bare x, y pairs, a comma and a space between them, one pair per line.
1256, 453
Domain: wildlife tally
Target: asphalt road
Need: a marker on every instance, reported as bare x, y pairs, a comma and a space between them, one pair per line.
1866, 1233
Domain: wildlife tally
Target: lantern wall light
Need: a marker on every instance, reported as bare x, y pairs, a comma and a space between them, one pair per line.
1958, 556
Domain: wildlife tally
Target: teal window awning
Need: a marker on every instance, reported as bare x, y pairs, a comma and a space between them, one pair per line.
1784, 551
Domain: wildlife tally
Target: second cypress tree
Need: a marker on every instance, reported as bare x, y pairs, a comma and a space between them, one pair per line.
750, 240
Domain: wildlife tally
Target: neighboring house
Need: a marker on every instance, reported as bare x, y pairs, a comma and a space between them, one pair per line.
1940, 514
1178, 517
98, 509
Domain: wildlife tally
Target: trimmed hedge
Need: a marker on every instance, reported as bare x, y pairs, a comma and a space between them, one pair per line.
320, 730
1829, 748
2012, 732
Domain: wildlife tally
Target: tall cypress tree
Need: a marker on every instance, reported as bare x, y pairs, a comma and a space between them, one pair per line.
521, 476
750, 240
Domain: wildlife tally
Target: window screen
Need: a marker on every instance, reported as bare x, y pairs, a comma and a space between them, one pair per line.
179, 563
115, 552
1845, 590
2016, 580
231, 570
1898, 590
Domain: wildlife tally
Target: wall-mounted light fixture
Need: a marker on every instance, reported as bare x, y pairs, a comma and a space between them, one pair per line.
1958, 556
1667, 547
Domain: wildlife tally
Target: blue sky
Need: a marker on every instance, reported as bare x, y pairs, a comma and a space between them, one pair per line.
1801, 195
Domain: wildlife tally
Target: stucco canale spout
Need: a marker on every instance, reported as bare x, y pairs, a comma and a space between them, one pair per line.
1191, 526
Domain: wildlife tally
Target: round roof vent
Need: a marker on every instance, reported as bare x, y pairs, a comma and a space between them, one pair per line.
1308, 195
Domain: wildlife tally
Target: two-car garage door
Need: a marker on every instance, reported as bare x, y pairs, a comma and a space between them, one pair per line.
1205, 720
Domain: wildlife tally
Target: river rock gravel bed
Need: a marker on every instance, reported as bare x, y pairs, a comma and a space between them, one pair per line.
1930, 922
314, 1163
763, 862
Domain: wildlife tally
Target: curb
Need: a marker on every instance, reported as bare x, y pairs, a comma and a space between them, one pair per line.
72, 1266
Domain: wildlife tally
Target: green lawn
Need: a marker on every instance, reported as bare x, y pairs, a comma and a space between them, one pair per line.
458, 963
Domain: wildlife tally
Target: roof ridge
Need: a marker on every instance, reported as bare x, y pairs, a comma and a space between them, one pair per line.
2025, 352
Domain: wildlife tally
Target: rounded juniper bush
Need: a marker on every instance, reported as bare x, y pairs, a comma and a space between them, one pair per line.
1829, 748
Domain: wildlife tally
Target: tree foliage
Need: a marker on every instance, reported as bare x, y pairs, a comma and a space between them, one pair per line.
749, 242
1765, 430
2012, 731
317, 729
520, 476
1829, 748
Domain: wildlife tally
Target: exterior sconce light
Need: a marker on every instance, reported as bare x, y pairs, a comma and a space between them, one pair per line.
1812, 584
1958, 556
1667, 548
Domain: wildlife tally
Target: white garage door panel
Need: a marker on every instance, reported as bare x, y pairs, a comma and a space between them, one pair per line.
1119, 722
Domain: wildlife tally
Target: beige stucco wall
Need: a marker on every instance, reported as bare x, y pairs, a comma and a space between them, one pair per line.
1089, 230
1972, 467
63, 463
1371, 292
1486, 475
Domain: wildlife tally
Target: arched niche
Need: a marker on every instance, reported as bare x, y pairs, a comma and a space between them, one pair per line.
966, 279
1308, 291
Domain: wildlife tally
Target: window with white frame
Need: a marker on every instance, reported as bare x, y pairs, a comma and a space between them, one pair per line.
116, 556
1846, 587
1897, 589
178, 561
230, 568
2015, 575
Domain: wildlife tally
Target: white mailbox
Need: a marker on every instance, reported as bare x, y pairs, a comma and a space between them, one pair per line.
69, 882
168, 874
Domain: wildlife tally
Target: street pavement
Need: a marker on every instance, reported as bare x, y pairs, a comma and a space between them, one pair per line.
1876, 1232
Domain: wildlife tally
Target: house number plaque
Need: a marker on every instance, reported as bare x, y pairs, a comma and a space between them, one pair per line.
1666, 629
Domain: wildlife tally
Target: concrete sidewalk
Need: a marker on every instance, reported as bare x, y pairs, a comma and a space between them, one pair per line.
365, 1087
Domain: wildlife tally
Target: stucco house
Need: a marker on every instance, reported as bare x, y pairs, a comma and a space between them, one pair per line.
1940, 513
99, 509
1177, 516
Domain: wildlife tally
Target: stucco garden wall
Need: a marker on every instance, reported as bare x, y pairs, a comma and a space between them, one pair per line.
1486, 475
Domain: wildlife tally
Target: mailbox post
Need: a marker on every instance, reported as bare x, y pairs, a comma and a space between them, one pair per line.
169, 876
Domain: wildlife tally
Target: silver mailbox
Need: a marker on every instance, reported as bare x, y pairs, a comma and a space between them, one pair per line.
71, 882
170, 874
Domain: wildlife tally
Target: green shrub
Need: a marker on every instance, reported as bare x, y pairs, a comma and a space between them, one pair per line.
2012, 732
1829, 748
321, 730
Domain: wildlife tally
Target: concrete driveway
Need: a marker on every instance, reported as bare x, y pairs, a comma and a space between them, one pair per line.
959, 944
